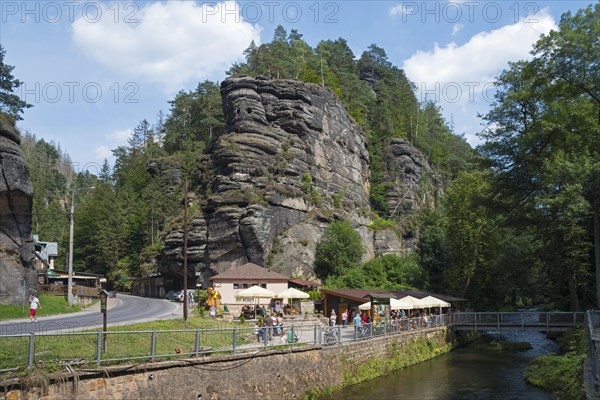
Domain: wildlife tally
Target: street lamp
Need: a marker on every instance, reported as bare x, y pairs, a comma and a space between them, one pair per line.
71, 229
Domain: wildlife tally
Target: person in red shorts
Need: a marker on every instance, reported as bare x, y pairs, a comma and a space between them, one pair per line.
34, 304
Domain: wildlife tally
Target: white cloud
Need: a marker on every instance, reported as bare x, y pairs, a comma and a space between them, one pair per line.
459, 76
113, 140
457, 28
120, 137
102, 152
399, 9
481, 58
171, 43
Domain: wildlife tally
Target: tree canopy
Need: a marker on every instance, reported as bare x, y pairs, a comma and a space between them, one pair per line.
517, 222
10, 102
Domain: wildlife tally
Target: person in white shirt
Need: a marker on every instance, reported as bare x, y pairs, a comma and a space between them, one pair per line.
34, 304
344, 318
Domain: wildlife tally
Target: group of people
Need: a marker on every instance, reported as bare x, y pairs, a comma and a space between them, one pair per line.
359, 318
270, 326
354, 314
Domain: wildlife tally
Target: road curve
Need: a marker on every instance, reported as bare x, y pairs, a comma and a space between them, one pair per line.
127, 309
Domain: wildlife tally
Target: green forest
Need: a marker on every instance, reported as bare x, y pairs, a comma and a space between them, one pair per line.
518, 223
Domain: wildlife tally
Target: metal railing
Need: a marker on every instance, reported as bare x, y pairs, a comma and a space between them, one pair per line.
593, 325
545, 321
92, 349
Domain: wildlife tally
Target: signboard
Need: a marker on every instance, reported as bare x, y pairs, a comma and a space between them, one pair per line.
103, 300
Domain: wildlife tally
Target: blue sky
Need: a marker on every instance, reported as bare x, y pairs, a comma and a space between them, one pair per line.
94, 69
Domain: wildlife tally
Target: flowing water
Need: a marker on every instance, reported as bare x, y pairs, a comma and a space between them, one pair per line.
465, 373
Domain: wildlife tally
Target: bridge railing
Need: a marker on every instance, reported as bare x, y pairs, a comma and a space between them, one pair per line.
73, 350
593, 325
523, 319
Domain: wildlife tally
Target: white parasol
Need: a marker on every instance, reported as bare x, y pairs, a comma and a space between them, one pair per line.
293, 293
398, 304
411, 300
430, 301
255, 292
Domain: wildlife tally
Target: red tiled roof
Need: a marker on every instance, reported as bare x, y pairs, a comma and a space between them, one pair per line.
301, 282
249, 272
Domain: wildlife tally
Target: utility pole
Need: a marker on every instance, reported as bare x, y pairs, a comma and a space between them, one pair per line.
71, 232
185, 233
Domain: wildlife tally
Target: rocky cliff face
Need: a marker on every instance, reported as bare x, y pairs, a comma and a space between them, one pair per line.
290, 162
16, 192
414, 185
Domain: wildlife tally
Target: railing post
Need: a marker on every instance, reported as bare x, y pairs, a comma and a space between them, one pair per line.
522, 321
152, 345
265, 336
321, 335
31, 350
293, 335
371, 329
99, 348
547, 322
498, 321
314, 334
197, 342
234, 338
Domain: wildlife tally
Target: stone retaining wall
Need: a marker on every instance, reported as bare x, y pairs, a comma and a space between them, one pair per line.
273, 374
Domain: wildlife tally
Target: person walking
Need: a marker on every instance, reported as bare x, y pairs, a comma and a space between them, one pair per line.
269, 322
358, 323
34, 304
332, 318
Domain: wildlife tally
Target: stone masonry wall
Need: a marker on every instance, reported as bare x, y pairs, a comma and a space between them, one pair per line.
274, 374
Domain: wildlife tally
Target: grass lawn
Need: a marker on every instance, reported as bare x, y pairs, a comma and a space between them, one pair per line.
51, 305
175, 337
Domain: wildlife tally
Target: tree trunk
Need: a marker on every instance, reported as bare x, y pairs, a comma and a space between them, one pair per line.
597, 247
573, 298
471, 272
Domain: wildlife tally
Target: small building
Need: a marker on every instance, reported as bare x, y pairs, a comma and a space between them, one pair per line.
232, 281
149, 286
303, 285
45, 254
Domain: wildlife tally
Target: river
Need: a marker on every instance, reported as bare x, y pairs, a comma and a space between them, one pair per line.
466, 373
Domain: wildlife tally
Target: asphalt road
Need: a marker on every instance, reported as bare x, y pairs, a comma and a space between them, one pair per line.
122, 310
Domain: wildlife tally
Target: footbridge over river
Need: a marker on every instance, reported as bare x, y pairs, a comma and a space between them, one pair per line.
526, 320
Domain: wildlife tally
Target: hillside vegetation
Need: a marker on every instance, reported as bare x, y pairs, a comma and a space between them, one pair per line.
515, 225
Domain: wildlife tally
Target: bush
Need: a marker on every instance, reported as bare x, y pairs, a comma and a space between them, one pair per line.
562, 375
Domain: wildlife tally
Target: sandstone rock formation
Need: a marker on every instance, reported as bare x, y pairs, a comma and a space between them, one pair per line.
290, 162
16, 248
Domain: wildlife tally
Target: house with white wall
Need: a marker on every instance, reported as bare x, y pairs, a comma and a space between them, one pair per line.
232, 281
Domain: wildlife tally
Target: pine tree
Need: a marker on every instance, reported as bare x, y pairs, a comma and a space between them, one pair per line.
10, 103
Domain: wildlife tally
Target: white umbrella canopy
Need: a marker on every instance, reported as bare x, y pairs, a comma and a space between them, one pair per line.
430, 301
395, 304
256, 292
293, 293
411, 300
398, 304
